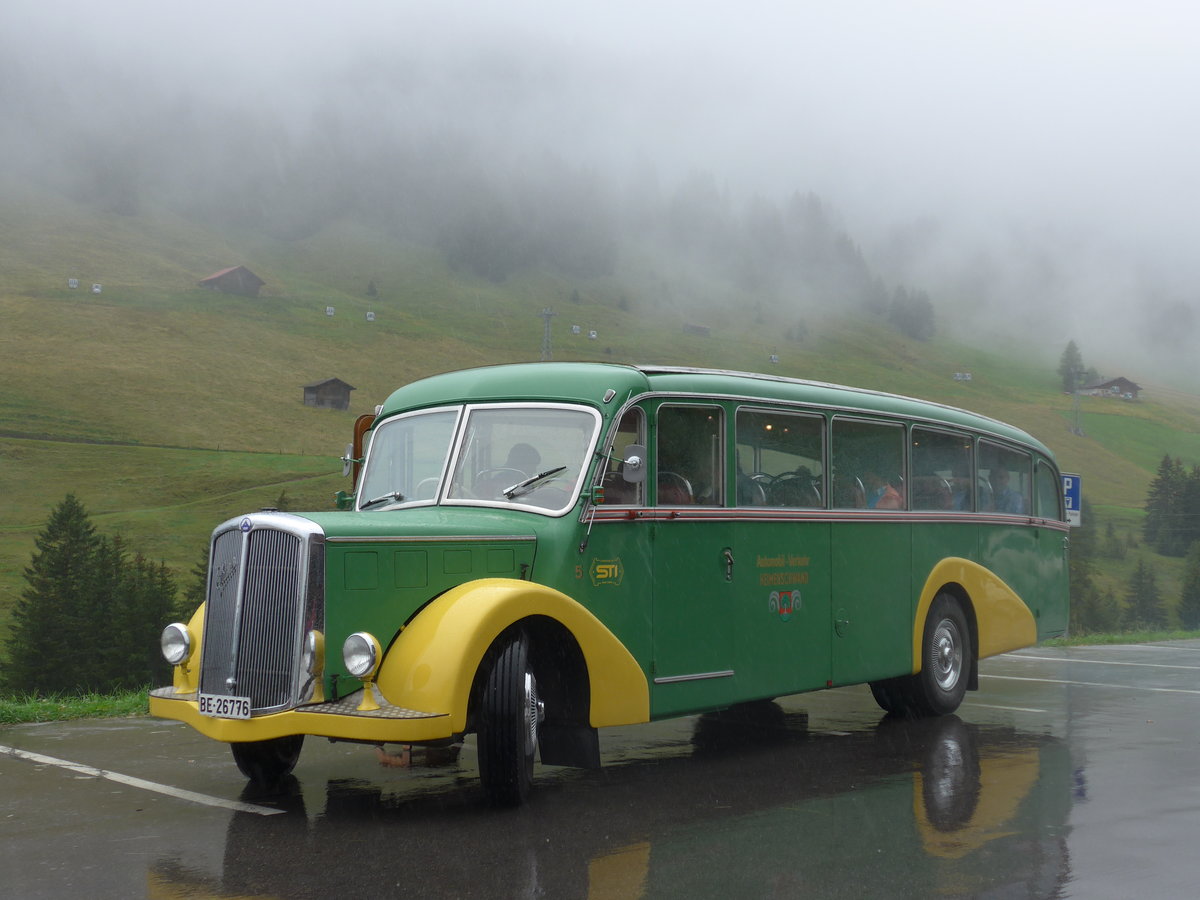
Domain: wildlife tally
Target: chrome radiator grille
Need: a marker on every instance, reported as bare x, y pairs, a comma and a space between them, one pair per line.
265, 592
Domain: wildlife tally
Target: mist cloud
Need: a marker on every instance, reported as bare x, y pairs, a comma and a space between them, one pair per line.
1031, 164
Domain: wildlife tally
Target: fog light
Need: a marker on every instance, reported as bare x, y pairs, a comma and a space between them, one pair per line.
361, 652
176, 643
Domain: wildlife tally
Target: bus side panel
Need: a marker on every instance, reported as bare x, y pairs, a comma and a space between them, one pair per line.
611, 579
1032, 561
937, 541
1052, 598
872, 600
782, 576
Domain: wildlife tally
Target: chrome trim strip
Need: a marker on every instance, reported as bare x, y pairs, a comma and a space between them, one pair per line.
432, 539
912, 517
700, 676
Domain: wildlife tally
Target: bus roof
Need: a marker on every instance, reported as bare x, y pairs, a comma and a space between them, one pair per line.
608, 386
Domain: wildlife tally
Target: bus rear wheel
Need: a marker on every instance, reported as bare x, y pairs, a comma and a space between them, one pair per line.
267, 762
510, 712
939, 688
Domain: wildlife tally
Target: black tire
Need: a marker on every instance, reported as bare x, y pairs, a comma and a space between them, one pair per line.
510, 711
268, 762
938, 689
894, 695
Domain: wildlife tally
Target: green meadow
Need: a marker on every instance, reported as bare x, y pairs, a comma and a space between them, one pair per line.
167, 408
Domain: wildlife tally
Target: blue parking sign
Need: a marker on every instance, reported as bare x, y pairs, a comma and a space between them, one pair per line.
1071, 498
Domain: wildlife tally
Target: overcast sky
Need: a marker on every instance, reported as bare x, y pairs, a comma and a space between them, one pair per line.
1071, 122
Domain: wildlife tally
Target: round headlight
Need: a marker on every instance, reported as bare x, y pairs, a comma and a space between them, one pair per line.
176, 643
314, 653
360, 652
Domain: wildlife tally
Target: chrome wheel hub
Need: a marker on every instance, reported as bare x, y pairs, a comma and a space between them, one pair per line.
945, 655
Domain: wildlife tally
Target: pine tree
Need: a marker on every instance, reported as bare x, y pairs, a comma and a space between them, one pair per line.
146, 601
1189, 596
1145, 605
100, 660
1164, 508
1188, 515
90, 619
194, 592
53, 615
1070, 367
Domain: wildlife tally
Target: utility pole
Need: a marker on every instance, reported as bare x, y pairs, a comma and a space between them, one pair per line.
547, 314
1078, 382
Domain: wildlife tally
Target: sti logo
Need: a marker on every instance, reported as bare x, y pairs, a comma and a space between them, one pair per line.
784, 603
606, 571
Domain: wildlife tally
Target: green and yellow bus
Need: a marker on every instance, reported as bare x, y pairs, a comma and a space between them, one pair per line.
533, 552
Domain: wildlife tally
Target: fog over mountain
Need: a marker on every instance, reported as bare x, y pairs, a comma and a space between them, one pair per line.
1029, 166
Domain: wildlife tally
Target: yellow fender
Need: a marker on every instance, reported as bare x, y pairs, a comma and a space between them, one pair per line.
432, 663
1004, 621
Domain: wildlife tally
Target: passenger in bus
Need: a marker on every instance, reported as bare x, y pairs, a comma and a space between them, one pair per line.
1006, 498
880, 493
524, 458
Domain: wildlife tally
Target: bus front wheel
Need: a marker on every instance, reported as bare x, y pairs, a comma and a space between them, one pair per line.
267, 762
510, 712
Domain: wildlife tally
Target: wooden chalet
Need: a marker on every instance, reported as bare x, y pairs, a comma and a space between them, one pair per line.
332, 393
234, 280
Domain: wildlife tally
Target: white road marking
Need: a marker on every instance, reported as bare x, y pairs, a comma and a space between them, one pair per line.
1126, 687
1027, 709
142, 783
1095, 662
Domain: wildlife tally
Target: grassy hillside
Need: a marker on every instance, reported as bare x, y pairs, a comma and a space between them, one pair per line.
166, 408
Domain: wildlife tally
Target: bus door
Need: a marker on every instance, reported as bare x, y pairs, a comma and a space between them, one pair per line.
781, 545
692, 560
870, 557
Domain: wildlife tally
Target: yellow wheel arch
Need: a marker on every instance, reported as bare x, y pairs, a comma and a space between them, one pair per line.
1003, 621
432, 663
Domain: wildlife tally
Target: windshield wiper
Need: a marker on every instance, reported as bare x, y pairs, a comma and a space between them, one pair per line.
393, 495
524, 487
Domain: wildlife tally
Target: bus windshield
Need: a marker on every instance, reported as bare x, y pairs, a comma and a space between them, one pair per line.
526, 455
406, 459
529, 456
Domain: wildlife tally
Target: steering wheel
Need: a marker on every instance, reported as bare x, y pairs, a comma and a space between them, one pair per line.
426, 489
490, 482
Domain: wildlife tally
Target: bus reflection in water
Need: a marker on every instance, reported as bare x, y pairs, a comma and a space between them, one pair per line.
755, 805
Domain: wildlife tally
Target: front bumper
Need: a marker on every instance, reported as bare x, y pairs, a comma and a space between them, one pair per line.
339, 719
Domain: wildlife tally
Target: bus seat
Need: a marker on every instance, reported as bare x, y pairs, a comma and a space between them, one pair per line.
674, 490
931, 492
794, 490
617, 490
750, 492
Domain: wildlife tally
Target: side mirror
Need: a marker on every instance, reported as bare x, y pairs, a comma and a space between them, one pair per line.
634, 470
348, 460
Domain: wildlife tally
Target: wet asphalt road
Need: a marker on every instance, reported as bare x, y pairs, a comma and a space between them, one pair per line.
1071, 773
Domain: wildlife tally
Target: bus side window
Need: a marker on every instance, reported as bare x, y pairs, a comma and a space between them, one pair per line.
690, 462
617, 490
1048, 493
780, 459
941, 470
1009, 476
868, 464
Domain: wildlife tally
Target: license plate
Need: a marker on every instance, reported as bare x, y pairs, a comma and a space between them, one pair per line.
224, 707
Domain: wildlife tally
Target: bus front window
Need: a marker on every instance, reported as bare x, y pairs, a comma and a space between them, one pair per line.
406, 459
526, 455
